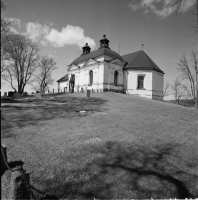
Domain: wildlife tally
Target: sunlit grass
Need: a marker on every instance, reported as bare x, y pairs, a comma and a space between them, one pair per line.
118, 151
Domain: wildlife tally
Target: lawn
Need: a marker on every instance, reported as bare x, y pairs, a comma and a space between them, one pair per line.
128, 147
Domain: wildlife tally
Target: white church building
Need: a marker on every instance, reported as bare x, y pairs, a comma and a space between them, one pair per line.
105, 70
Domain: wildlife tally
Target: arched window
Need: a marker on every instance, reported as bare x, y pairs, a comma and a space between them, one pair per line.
90, 77
141, 82
116, 77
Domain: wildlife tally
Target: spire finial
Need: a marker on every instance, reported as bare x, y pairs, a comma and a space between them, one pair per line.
142, 46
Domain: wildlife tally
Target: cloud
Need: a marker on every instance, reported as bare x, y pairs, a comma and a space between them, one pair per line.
70, 35
36, 31
14, 21
161, 8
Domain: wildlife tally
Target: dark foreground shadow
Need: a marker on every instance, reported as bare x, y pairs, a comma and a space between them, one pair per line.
11, 165
128, 171
32, 113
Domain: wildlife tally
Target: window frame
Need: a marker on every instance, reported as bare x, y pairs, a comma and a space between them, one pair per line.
91, 77
138, 83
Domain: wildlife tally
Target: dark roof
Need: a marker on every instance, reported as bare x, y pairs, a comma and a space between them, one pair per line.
97, 53
140, 60
64, 78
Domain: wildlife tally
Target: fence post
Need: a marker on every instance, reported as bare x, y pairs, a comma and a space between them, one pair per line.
18, 187
53, 90
3, 153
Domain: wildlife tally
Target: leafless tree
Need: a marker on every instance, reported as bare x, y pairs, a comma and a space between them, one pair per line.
44, 77
189, 74
166, 89
22, 59
177, 4
5, 29
4, 23
178, 90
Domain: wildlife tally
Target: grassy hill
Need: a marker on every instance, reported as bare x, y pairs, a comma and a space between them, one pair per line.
128, 147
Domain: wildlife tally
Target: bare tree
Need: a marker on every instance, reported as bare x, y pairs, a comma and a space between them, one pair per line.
189, 74
22, 57
166, 89
44, 77
177, 4
4, 23
178, 90
5, 29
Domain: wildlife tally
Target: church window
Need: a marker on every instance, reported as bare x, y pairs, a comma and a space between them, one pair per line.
140, 82
116, 77
90, 77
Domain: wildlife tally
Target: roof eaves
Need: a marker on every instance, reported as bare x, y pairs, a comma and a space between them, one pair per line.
146, 68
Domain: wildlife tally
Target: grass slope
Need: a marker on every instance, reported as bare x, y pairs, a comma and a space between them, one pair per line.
130, 147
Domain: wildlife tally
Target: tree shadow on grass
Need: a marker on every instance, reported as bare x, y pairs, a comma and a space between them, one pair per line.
127, 171
33, 113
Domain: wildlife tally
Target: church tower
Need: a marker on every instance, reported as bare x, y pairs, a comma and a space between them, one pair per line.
104, 42
86, 49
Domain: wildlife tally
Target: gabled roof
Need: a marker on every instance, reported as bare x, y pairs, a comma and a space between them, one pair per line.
63, 79
97, 53
140, 60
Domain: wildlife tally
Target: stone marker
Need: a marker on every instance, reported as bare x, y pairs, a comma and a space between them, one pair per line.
38, 95
18, 188
25, 94
3, 158
17, 95
11, 94
88, 93
5, 94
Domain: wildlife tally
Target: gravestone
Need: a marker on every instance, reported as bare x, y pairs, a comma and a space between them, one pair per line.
25, 94
88, 93
38, 95
11, 94
17, 95
5, 94
82, 90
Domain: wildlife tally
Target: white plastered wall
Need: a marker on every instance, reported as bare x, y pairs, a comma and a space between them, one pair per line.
82, 76
131, 78
153, 84
109, 70
158, 85
62, 85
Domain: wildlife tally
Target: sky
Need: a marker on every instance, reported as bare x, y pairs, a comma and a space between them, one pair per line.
62, 27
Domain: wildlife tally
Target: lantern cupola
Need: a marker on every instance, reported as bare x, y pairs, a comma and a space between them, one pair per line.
86, 49
104, 42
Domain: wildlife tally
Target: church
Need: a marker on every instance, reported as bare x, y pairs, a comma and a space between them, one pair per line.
104, 70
